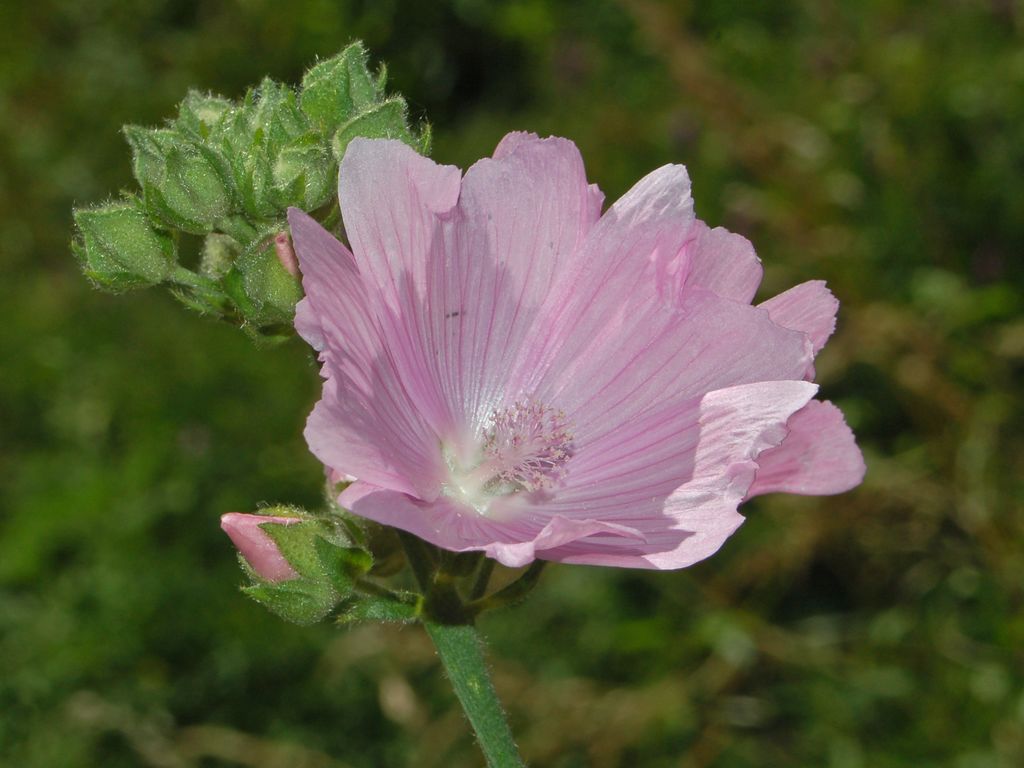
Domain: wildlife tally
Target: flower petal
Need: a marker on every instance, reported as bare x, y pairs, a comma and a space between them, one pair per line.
656, 357
724, 263
611, 342
458, 528
819, 456
519, 223
365, 424
392, 200
259, 550
809, 308
702, 461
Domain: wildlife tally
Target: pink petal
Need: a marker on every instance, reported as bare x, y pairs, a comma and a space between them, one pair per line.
724, 263
809, 308
519, 223
819, 456
392, 200
259, 550
365, 424
651, 357
676, 477
458, 528
607, 345
511, 141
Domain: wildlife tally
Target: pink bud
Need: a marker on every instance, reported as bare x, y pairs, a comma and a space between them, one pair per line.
286, 254
256, 546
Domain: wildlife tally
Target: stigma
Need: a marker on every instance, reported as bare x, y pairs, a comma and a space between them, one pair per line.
523, 449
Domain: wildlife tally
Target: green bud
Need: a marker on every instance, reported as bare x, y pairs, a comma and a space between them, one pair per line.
337, 89
118, 249
200, 113
183, 182
275, 117
386, 120
327, 566
270, 152
303, 174
262, 289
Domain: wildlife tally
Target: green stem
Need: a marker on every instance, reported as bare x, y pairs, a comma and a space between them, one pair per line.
461, 653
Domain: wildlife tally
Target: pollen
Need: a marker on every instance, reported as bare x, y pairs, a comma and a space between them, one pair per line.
526, 447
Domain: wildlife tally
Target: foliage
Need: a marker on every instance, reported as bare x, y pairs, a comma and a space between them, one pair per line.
875, 143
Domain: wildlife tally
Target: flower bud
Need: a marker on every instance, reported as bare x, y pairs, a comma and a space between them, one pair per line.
302, 566
183, 183
118, 249
303, 174
199, 114
261, 285
258, 549
274, 159
335, 90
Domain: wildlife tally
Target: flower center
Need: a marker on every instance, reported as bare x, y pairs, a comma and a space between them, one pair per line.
524, 449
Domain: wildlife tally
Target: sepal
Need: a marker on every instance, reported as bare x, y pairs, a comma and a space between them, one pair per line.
264, 292
333, 91
386, 120
400, 608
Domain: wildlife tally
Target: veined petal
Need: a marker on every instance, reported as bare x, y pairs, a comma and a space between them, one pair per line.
365, 424
392, 200
723, 262
455, 527
819, 456
519, 223
599, 292
703, 462
335, 305
809, 308
654, 356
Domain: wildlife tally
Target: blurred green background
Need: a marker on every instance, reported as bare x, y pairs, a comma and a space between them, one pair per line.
877, 144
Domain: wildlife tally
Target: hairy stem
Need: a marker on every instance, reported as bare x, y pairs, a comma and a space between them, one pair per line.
461, 652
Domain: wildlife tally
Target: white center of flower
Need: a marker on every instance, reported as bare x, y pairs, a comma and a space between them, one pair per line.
524, 449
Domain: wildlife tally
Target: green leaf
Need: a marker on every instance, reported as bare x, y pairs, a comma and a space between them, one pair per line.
118, 249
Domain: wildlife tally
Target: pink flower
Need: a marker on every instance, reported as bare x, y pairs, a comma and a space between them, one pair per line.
256, 546
508, 370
